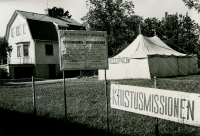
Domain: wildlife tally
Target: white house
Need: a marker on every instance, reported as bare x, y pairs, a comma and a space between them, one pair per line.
34, 40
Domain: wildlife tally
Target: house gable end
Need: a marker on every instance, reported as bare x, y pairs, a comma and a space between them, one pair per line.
11, 21
9, 24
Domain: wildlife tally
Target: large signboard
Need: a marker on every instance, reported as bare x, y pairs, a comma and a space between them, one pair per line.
83, 50
170, 105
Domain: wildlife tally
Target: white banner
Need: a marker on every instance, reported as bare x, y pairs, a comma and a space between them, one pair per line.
165, 104
83, 50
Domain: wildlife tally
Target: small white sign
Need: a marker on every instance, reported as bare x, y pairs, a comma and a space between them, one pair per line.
83, 50
165, 104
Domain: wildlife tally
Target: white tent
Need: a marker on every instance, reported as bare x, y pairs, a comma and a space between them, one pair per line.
147, 57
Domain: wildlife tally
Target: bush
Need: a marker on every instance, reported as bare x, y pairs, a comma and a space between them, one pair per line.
4, 74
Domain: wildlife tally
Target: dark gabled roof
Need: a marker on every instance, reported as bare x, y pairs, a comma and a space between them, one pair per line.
42, 27
41, 17
42, 30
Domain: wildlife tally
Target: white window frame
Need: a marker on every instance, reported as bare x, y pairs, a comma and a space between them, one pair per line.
18, 30
24, 28
19, 51
24, 50
12, 32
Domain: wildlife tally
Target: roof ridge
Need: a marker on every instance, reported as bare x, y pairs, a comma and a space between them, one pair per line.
30, 12
49, 18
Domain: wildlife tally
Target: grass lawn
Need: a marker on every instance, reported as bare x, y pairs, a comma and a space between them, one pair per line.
86, 107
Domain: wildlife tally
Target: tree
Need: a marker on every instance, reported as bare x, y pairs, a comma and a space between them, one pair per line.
193, 4
180, 33
5, 49
4, 74
149, 25
59, 12
115, 17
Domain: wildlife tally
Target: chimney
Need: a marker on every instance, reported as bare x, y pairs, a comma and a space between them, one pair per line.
48, 12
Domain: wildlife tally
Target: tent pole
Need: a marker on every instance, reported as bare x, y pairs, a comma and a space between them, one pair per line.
139, 29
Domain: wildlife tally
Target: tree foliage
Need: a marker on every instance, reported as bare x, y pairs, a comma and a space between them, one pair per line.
181, 32
149, 26
178, 31
115, 17
193, 4
5, 49
4, 74
59, 12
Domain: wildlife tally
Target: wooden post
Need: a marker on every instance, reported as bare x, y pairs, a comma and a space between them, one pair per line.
106, 98
34, 102
156, 121
64, 89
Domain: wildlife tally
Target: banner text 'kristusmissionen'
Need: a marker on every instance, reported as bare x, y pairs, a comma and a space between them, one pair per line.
171, 105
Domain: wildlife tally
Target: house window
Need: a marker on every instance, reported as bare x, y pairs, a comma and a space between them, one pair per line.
12, 32
19, 51
25, 50
49, 49
18, 30
62, 27
24, 28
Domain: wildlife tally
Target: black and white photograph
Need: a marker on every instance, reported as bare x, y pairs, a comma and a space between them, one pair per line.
99, 67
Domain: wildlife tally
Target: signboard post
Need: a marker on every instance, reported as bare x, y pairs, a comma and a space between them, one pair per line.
83, 50
106, 98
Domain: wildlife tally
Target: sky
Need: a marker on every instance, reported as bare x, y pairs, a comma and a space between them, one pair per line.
77, 8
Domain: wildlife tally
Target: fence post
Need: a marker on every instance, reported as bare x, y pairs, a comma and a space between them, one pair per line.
33, 90
65, 96
106, 98
156, 121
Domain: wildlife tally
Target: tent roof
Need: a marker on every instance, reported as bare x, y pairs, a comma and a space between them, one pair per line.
143, 47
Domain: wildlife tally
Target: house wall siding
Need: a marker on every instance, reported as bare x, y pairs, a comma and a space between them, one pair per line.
42, 58
16, 40
43, 61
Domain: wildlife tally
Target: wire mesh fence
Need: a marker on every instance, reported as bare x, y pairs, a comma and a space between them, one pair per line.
16, 94
86, 104
49, 98
146, 125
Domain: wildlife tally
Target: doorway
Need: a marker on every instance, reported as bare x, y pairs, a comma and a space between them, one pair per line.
23, 72
52, 71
